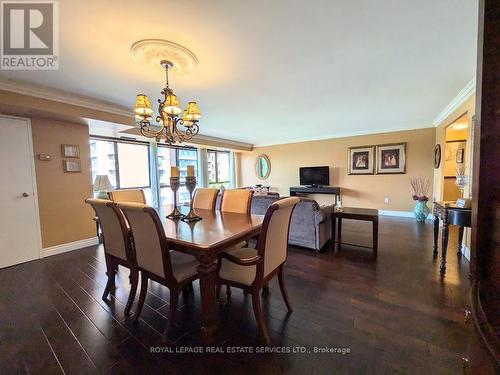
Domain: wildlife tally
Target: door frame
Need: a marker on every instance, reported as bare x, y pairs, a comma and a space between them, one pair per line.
33, 180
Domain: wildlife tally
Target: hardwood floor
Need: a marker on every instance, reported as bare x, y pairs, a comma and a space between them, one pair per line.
394, 314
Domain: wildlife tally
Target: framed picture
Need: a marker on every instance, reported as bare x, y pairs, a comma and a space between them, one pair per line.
452, 155
70, 151
72, 166
391, 158
361, 160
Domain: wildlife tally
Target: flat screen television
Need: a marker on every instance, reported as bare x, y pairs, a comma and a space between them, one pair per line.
314, 176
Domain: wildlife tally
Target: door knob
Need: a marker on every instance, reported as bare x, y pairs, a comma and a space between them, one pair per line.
26, 195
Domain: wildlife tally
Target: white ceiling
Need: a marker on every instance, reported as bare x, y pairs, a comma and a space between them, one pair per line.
276, 71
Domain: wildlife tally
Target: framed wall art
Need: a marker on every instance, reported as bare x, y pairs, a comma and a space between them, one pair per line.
70, 151
72, 166
361, 160
391, 158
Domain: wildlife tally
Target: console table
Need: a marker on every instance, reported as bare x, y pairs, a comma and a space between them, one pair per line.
449, 213
316, 190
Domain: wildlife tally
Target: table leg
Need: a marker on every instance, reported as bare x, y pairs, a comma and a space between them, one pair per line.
436, 235
444, 246
340, 232
375, 236
460, 239
208, 275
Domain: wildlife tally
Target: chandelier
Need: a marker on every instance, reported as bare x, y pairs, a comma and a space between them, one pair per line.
171, 127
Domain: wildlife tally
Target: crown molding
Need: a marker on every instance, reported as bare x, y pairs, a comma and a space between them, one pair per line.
23, 88
345, 134
463, 95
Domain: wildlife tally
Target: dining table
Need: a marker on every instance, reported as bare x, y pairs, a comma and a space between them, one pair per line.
206, 239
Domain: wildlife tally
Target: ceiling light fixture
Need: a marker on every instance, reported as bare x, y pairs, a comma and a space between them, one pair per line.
459, 126
174, 124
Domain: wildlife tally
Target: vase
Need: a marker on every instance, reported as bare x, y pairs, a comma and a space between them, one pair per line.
421, 211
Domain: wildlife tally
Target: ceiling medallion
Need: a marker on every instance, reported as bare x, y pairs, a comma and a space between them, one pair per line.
174, 125
152, 51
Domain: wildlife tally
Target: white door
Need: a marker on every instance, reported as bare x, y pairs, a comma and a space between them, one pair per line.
19, 230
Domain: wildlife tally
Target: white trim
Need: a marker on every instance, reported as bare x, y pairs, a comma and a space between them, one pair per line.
70, 246
463, 95
344, 134
400, 213
63, 97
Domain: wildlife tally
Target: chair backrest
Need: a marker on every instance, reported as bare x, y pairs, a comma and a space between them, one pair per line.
115, 232
236, 200
273, 240
205, 198
127, 195
150, 243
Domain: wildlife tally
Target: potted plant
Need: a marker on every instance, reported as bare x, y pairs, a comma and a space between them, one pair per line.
421, 187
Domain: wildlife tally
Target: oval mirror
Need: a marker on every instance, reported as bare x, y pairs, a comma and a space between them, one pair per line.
262, 167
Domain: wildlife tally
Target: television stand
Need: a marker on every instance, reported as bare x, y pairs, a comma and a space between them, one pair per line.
295, 190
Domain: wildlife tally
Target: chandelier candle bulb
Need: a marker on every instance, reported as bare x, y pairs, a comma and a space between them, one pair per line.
190, 170
174, 172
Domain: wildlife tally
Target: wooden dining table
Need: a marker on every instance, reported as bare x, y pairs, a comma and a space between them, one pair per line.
206, 239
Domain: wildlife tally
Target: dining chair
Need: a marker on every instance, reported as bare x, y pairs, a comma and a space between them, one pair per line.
155, 260
127, 195
252, 269
118, 248
205, 198
236, 200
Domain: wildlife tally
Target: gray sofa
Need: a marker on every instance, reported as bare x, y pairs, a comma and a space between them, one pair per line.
310, 226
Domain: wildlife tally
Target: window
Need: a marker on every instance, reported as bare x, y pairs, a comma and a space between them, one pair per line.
102, 159
125, 164
218, 168
133, 164
180, 157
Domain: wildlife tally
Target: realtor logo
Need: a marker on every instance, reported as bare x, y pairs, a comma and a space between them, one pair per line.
30, 35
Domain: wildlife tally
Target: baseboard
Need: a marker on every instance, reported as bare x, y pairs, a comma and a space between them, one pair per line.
400, 213
70, 246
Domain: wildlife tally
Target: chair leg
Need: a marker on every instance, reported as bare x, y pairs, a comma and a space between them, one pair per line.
134, 281
111, 273
259, 317
217, 291
228, 292
142, 296
283, 288
174, 299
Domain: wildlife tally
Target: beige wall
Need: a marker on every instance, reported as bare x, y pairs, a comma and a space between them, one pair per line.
64, 216
361, 191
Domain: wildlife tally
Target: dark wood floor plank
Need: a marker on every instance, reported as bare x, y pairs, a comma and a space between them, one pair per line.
395, 315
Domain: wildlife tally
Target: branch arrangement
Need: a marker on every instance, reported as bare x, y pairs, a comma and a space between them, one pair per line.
421, 187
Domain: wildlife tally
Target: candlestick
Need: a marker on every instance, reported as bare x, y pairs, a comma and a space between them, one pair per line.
190, 186
190, 170
174, 185
174, 171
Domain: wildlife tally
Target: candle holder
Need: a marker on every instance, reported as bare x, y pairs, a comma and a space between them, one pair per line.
190, 186
174, 185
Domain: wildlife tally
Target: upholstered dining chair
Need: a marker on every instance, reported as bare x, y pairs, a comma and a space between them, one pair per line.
127, 195
117, 246
205, 198
155, 260
251, 269
236, 200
